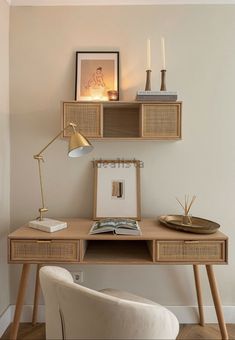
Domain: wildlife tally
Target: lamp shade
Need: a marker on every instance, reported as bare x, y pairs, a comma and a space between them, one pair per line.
78, 145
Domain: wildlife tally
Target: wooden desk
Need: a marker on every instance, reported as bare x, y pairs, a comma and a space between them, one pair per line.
156, 245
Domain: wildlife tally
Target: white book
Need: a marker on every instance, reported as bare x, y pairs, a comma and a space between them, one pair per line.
159, 98
156, 93
48, 225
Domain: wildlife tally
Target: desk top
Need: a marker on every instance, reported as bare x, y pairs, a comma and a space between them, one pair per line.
79, 229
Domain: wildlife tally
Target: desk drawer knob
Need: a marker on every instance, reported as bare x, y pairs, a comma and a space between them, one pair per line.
191, 242
44, 241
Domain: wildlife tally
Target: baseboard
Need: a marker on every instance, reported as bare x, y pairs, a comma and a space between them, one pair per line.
5, 319
185, 314
189, 314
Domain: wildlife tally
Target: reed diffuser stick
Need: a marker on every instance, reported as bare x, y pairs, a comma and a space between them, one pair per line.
179, 202
187, 206
193, 199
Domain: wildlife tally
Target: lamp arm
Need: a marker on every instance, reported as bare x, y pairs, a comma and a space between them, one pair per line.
43, 209
39, 158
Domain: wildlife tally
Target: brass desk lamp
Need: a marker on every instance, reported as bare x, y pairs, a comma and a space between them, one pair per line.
78, 146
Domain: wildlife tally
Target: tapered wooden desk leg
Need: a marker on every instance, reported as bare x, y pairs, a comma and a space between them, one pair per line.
20, 300
199, 294
36, 296
217, 301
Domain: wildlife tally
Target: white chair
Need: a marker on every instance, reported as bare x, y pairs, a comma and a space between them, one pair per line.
76, 312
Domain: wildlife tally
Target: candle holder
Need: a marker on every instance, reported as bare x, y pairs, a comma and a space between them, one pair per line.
113, 95
163, 80
148, 80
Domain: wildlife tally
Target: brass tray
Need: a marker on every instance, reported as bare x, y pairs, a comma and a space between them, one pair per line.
199, 225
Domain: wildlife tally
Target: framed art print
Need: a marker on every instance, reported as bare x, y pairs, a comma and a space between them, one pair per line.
96, 74
117, 189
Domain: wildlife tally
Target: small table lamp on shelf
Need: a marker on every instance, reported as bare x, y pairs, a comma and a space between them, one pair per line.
78, 146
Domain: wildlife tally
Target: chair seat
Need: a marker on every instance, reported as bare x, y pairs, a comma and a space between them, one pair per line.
169, 322
128, 296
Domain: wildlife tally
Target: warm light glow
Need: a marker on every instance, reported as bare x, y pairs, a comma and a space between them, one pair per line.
113, 95
97, 93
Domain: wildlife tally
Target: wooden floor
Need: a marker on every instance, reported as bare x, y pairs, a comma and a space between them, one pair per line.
210, 331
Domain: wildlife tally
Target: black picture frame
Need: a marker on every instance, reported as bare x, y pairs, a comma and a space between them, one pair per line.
93, 84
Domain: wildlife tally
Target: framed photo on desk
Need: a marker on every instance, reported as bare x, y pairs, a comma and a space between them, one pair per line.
117, 189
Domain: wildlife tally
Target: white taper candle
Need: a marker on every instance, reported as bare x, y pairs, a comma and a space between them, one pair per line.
148, 55
163, 54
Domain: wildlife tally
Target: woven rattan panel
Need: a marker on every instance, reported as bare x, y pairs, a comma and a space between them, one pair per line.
44, 250
86, 116
161, 120
190, 251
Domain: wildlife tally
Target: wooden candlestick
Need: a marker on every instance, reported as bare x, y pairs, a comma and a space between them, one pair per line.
163, 80
148, 80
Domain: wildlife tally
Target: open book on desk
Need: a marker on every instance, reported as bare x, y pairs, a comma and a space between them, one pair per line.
119, 226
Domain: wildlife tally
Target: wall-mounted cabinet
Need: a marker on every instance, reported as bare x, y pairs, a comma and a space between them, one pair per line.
124, 120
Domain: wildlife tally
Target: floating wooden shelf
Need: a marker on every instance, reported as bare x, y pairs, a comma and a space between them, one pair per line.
124, 120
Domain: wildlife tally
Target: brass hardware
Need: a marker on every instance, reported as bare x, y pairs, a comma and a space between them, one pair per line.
191, 242
44, 241
38, 157
43, 210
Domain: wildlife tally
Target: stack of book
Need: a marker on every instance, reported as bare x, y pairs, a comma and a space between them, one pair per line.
157, 96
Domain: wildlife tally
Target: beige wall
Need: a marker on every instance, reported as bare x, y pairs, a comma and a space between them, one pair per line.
200, 50
4, 153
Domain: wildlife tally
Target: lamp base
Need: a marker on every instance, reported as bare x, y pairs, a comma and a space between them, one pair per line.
48, 225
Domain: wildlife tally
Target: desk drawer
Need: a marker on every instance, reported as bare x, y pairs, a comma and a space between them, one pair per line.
44, 250
188, 251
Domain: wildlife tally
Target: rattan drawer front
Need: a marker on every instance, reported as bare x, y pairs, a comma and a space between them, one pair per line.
46, 251
188, 251
86, 116
162, 120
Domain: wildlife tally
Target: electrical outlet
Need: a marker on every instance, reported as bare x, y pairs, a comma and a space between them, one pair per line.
78, 277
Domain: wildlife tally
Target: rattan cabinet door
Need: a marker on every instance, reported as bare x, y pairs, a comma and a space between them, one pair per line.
161, 121
191, 251
35, 251
87, 116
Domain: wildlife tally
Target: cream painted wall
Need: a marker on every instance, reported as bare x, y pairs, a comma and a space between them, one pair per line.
4, 154
200, 49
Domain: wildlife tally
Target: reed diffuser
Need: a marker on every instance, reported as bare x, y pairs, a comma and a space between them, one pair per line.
186, 218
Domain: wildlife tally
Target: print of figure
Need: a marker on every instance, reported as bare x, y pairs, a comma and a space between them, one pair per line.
97, 79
